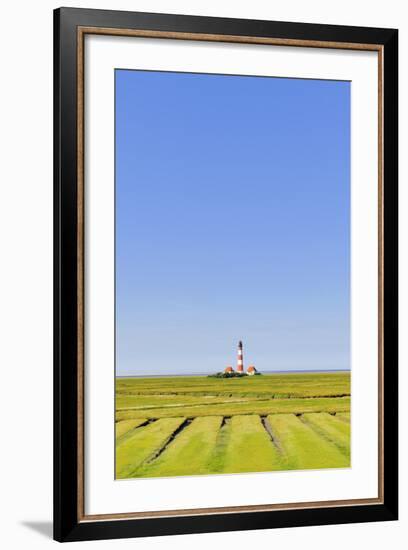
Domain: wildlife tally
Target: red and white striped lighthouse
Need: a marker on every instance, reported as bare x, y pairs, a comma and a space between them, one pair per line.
240, 360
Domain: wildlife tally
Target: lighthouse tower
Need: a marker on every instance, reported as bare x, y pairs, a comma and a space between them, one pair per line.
240, 361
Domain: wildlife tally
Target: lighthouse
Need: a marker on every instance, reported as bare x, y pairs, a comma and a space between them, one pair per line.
229, 372
240, 360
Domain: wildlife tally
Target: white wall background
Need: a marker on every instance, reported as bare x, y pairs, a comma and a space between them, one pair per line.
26, 271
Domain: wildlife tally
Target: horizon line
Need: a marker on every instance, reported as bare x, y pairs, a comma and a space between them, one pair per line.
297, 371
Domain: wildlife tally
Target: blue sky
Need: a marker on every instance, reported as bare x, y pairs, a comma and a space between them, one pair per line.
232, 222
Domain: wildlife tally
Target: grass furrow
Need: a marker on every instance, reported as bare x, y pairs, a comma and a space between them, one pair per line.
247, 448
331, 428
344, 416
303, 447
188, 453
123, 427
216, 462
143, 443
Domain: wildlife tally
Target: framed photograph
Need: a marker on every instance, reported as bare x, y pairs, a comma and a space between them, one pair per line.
225, 274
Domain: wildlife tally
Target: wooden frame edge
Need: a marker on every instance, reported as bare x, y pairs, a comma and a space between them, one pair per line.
191, 512
381, 274
196, 36
80, 274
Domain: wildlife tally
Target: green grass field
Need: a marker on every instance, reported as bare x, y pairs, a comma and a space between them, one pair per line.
197, 425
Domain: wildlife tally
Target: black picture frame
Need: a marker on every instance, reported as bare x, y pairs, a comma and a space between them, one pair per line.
67, 523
